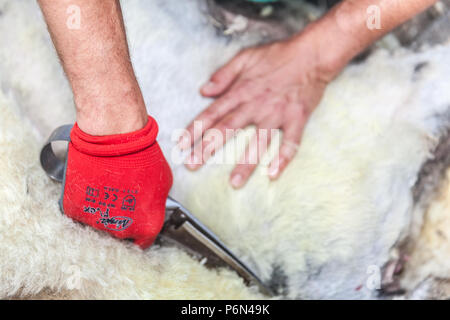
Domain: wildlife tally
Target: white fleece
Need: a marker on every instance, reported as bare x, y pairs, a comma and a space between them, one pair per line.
340, 207
430, 257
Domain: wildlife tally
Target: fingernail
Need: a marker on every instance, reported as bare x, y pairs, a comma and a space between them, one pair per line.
193, 162
236, 181
209, 86
184, 142
273, 170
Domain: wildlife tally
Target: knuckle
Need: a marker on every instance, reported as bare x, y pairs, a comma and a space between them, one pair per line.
208, 114
226, 101
303, 113
243, 92
229, 123
240, 169
278, 106
244, 169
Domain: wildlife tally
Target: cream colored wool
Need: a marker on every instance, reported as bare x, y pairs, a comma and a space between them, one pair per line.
431, 254
338, 210
41, 248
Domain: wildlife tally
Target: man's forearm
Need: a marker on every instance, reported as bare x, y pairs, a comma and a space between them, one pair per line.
96, 60
351, 26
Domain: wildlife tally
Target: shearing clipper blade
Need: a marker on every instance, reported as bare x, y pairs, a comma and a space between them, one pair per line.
185, 230
181, 228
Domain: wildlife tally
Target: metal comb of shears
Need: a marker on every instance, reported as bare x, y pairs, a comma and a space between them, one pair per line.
181, 228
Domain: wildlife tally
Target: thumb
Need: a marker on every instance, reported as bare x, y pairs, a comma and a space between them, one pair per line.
222, 79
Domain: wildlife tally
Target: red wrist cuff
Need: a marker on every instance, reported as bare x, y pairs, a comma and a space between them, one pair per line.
117, 144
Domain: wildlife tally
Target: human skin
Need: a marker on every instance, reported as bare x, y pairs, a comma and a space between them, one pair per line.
97, 63
278, 86
275, 86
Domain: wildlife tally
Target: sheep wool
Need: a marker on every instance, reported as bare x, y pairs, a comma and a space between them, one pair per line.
323, 230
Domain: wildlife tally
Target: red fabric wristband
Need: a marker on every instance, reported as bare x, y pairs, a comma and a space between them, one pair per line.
115, 145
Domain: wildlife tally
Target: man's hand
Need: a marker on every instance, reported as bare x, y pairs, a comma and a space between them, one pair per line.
97, 63
277, 86
116, 178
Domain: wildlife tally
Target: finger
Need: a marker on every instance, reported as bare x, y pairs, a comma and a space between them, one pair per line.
216, 137
292, 134
222, 79
207, 118
255, 150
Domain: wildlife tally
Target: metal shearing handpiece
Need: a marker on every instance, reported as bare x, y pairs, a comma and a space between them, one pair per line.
180, 228
187, 231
